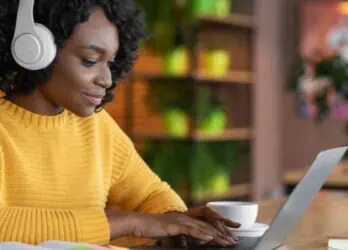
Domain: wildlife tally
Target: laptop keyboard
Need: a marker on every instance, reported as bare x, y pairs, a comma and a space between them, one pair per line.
244, 243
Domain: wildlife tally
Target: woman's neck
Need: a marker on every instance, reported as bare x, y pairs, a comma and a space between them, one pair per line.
36, 103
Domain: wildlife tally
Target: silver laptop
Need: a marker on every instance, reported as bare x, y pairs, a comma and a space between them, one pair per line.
293, 210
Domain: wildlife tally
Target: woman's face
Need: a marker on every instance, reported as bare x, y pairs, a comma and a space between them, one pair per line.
81, 74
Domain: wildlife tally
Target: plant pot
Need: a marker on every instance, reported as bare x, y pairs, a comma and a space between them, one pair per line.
216, 182
222, 8
220, 182
215, 122
175, 122
202, 7
176, 62
217, 62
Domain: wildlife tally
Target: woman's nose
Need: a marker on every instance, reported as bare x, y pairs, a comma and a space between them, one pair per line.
105, 79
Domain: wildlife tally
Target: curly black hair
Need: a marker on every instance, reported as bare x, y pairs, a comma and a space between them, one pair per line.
61, 17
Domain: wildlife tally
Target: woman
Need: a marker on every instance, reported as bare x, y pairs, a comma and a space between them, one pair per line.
67, 171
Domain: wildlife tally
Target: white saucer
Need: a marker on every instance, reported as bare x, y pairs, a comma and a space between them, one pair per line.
257, 230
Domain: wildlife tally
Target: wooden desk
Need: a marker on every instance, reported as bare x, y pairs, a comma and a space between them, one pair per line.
326, 218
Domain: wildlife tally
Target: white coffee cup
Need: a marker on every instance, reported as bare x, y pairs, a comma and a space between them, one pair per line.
244, 213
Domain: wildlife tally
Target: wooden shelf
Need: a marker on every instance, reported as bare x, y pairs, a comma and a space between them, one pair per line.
233, 77
235, 191
239, 134
233, 21
336, 180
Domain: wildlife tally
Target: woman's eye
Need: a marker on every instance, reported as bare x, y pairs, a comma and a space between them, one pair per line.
89, 62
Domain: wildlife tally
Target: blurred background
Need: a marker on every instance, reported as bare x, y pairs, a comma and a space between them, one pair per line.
233, 99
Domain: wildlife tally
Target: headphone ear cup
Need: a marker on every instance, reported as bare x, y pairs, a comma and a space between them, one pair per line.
49, 47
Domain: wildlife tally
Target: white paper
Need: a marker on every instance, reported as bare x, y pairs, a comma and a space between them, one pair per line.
57, 245
338, 244
18, 246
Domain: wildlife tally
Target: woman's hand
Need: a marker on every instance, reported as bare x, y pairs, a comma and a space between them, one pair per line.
164, 226
178, 224
211, 217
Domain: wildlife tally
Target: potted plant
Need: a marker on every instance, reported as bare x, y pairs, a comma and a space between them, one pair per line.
214, 164
165, 35
197, 8
321, 85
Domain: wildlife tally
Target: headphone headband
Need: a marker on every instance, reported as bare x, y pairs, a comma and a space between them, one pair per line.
25, 17
33, 44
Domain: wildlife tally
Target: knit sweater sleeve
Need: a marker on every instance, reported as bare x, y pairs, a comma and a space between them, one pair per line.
135, 187
35, 225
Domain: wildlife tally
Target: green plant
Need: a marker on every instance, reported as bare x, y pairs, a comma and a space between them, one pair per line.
164, 33
163, 96
175, 121
169, 161
175, 104
213, 164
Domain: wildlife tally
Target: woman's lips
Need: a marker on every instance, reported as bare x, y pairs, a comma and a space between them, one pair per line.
93, 99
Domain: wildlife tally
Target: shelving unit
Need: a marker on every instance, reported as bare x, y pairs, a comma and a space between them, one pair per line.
233, 77
239, 21
337, 180
239, 191
229, 134
237, 77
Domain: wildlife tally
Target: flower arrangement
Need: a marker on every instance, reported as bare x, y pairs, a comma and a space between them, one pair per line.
321, 84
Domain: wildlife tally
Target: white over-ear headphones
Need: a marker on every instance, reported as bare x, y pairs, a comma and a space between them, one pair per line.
33, 44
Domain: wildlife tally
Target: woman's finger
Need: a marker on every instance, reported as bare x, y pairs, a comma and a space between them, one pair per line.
218, 226
222, 228
218, 232
209, 213
200, 226
219, 235
200, 229
205, 227
224, 241
211, 235
230, 223
196, 233
222, 231
229, 233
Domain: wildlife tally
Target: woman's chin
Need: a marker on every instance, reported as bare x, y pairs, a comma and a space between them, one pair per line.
86, 112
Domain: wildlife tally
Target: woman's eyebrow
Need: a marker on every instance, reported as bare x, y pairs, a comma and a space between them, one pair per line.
98, 49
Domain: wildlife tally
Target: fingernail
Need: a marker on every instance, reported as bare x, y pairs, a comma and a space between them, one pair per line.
232, 240
229, 243
208, 237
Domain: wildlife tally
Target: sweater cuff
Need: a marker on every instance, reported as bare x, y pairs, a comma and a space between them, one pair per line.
94, 226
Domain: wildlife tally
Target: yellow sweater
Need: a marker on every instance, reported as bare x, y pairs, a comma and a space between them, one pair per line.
58, 173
